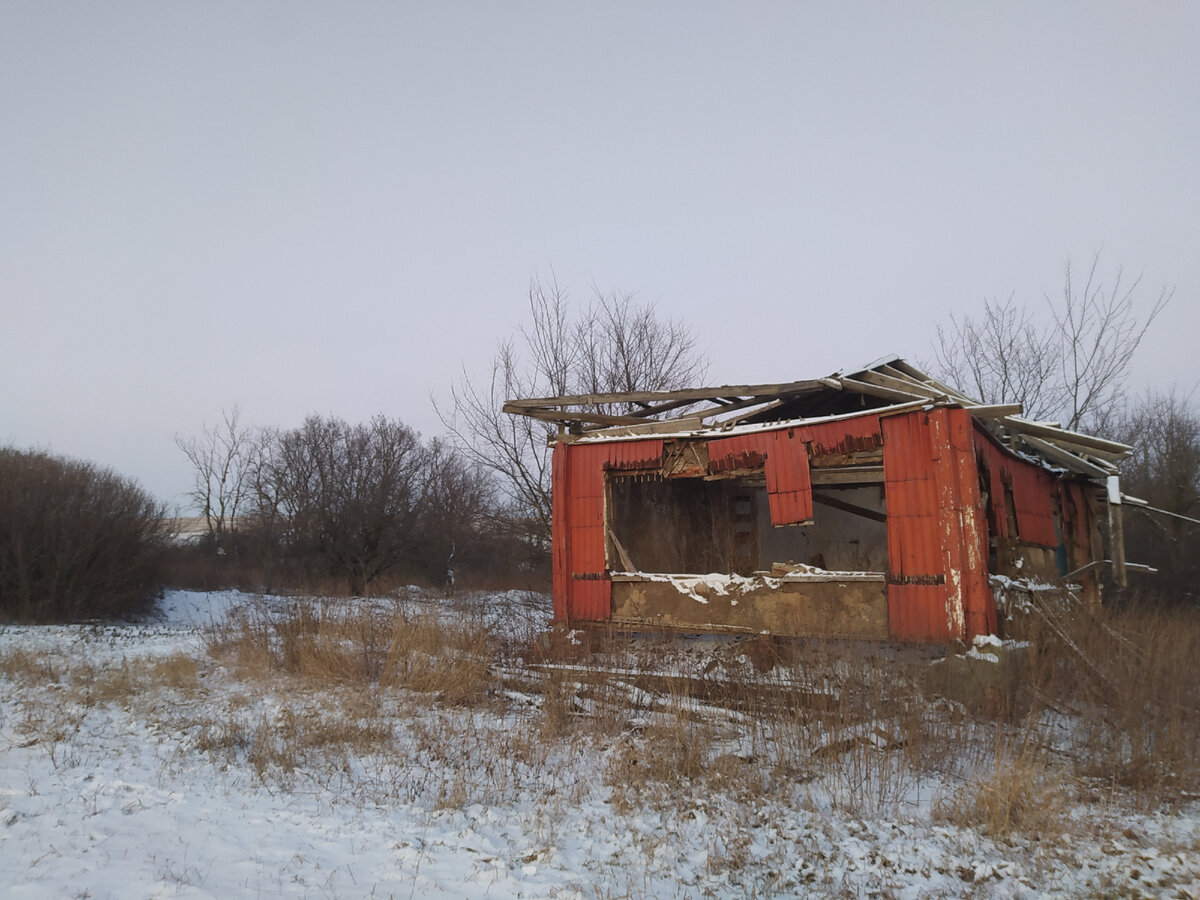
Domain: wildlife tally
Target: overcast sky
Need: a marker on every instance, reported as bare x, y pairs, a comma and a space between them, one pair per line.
333, 207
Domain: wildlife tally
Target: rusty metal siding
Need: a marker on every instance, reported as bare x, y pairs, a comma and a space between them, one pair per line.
746, 451
1033, 492
627, 456
783, 454
789, 485
997, 465
965, 535
845, 436
916, 580
560, 554
586, 497
937, 534
582, 589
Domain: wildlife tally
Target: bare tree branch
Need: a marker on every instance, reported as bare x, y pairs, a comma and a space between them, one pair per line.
1073, 369
616, 343
221, 461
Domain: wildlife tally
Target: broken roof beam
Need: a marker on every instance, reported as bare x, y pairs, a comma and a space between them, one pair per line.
874, 390
906, 368
845, 506
573, 418
1063, 457
904, 385
992, 410
769, 391
740, 404
759, 407
1068, 440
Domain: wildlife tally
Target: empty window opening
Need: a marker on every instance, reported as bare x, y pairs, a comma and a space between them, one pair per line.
697, 525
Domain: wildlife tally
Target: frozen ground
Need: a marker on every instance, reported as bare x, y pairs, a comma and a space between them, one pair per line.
121, 798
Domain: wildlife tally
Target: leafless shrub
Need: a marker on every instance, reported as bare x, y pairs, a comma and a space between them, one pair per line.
1126, 679
76, 541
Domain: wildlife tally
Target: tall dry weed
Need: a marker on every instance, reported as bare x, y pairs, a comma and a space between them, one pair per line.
1126, 680
1027, 791
376, 647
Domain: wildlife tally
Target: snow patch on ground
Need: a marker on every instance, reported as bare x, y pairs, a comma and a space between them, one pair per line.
121, 804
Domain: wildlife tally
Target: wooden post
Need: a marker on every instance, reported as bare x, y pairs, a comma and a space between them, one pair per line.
1116, 531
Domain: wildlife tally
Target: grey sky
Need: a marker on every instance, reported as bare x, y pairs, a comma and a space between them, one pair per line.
305, 207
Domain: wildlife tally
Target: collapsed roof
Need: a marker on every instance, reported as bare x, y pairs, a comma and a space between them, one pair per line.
888, 385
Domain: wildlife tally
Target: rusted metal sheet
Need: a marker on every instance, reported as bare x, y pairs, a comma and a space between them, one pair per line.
845, 436
965, 526
593, 600
581, 587
1030, 489
789, 486
633, 455
587, 508
586, 536
916, 599
783, 455
746, 451
937, 536
996, 462
1034, 489
560, 487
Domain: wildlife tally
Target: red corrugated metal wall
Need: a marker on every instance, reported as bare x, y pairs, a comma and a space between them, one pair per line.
1033, 492
744, 451
965, 534
844, 436
560, 549
937, 537
582, 588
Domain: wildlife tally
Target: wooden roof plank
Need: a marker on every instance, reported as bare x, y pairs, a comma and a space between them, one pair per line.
1067, 439
770, 391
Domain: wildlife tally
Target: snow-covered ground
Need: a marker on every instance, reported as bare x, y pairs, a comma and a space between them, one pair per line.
126, 793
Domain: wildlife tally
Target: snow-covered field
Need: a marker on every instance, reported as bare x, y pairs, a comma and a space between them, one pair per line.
132, 764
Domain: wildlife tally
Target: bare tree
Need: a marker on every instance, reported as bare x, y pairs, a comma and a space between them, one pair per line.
615, 344
1164, 470
456, 501
346, 498
221, 460
1003, 355
1099, 333
1073, 368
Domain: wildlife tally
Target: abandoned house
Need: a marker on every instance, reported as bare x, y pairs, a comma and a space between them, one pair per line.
870, 504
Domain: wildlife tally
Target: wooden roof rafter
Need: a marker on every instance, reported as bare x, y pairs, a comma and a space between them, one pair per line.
885, 385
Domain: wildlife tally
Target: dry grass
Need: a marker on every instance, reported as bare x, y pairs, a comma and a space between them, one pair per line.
1127, 682
376, 647
1027, 792
401, 701
27, 666
277, 744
